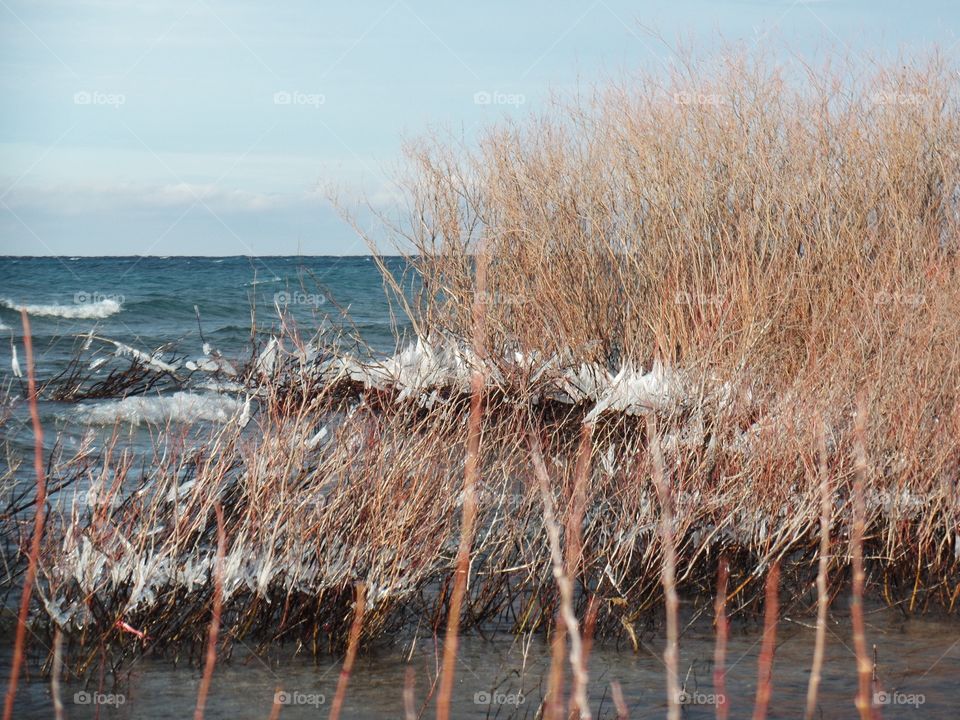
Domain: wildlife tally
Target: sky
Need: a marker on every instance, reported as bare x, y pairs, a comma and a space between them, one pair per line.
206, 127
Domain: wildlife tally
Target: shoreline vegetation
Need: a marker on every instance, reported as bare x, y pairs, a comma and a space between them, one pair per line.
688, 339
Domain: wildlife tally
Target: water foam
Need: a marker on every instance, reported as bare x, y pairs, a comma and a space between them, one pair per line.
77, 311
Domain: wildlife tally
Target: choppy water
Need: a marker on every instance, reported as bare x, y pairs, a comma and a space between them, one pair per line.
150, 302
918, 667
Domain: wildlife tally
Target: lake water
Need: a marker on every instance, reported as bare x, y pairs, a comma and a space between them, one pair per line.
918, 663
148, 302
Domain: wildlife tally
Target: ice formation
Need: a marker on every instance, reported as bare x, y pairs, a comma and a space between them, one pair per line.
421, 371
181, 407
150, 361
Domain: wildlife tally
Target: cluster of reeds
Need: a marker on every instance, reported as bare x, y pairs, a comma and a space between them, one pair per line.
785, 237
665, 301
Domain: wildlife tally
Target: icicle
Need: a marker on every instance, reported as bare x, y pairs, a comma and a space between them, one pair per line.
313, 442
244, 414
14, 363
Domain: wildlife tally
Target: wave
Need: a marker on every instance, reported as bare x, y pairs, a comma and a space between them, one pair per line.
80, 310
180, 407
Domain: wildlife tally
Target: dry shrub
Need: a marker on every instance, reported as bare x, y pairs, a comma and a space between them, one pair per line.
780, 243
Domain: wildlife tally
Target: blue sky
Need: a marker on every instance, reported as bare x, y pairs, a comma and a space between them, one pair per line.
206, 127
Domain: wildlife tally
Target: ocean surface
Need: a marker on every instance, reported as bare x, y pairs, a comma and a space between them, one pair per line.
148, 301
186, 305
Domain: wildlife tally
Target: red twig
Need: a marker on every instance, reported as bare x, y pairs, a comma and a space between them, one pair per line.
720, 649
578, 502
768, 646
409, 702
352, 643
553, 703
823, 598
38, 521
215, 619
618, 702
864, 700
469, 496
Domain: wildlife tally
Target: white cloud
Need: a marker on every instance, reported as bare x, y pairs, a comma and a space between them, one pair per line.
84, 198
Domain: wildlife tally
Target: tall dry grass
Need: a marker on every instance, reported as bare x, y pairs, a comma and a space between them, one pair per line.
783, 237
778, 244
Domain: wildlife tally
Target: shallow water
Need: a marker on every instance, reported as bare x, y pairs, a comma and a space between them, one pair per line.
918, 666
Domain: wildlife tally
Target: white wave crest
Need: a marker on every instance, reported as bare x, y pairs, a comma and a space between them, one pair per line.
100, 309
180, 407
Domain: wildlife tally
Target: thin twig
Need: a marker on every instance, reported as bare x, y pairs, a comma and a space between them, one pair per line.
721, 706
668, 572
823, 596
214, 633
863, 700
572, 626
771, 613
471, 472
39, 518
355, 628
